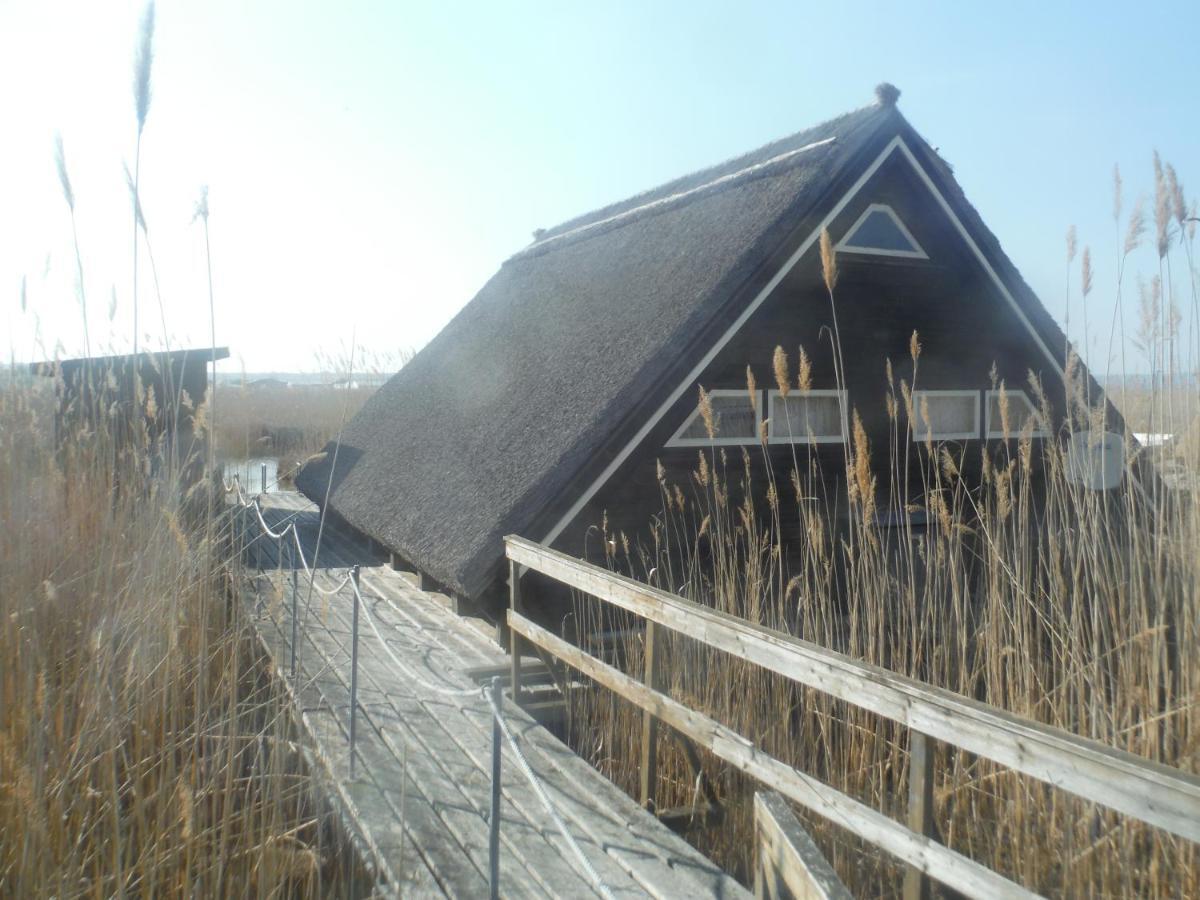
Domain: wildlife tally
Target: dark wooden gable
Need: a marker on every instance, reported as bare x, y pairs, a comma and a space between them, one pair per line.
968, 330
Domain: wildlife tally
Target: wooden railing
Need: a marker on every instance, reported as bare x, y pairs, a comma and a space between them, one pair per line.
1158, 795
789, 864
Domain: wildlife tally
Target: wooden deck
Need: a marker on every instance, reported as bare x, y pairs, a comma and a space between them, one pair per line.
419, 800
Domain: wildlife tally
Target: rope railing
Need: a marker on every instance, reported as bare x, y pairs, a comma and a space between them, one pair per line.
494, 698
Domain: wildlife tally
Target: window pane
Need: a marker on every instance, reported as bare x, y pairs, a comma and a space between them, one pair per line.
797, 416
733, 417
941, 414
1020, 411
879, 231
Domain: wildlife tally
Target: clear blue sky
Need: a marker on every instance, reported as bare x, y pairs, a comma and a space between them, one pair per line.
371, 164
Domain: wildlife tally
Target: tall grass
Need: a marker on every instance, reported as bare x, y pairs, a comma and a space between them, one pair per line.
288, 423
143, 748
1013, 585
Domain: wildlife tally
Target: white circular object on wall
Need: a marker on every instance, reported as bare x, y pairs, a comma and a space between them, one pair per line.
1096, 460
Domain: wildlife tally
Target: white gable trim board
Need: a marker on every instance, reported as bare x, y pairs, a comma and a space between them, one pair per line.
896, 144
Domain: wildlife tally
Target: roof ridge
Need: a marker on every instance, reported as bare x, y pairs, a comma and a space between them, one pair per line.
706, 173
710, 179
718, 183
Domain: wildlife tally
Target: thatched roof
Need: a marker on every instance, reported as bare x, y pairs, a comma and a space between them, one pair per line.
492, 420
472, 438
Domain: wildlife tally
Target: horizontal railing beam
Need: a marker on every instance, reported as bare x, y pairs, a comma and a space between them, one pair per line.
1158, 795
937, 861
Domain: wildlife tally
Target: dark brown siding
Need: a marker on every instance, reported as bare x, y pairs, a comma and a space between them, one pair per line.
964, 325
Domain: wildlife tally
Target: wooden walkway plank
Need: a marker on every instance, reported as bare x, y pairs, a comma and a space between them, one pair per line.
550, 870
466, 771
421, 792
452, 734
323, 688
656, 872
409, 870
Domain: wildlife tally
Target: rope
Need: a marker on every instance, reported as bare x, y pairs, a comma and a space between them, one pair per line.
267, 528
497, 714
527, 770
309, 574
438, 689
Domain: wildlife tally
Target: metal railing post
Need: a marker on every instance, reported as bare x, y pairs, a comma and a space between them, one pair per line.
354, 672
295, 600
264, 478
494, 821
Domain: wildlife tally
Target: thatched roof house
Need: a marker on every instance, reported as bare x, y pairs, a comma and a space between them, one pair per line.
549, 398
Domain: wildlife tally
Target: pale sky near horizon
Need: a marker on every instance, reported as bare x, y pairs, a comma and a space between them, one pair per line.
370, 165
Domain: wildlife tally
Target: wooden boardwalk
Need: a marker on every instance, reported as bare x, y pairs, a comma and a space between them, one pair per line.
419, 799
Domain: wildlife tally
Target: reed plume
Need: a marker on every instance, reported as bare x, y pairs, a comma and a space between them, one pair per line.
142, 60
706, 413
828, 261
1136, 228
1175, 191
201, 214
803, 371
1162, 209
780, 364
64, 180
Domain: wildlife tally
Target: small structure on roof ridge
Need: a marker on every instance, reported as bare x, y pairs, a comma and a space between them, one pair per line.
886, 93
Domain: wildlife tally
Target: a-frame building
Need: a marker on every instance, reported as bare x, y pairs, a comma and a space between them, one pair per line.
551, 400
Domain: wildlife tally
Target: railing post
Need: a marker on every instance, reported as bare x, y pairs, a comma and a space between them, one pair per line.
494, 820
354, 671
263, 481
514, 639
920, 806
649, 767
295, 601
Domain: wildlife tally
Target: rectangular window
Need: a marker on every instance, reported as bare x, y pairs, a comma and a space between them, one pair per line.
806, 417
945, 415
1021, 413
736, 420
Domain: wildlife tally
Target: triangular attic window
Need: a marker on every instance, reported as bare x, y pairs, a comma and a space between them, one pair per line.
880, 231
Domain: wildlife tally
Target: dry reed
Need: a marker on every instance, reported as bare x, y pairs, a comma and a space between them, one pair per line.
1017, 587
143, 747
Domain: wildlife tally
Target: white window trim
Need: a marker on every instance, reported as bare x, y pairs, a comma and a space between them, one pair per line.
996, 434
677, 441
919, 437
805, 439
844, 245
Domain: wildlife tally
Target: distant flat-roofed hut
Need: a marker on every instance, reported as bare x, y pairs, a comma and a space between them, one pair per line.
148, 400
